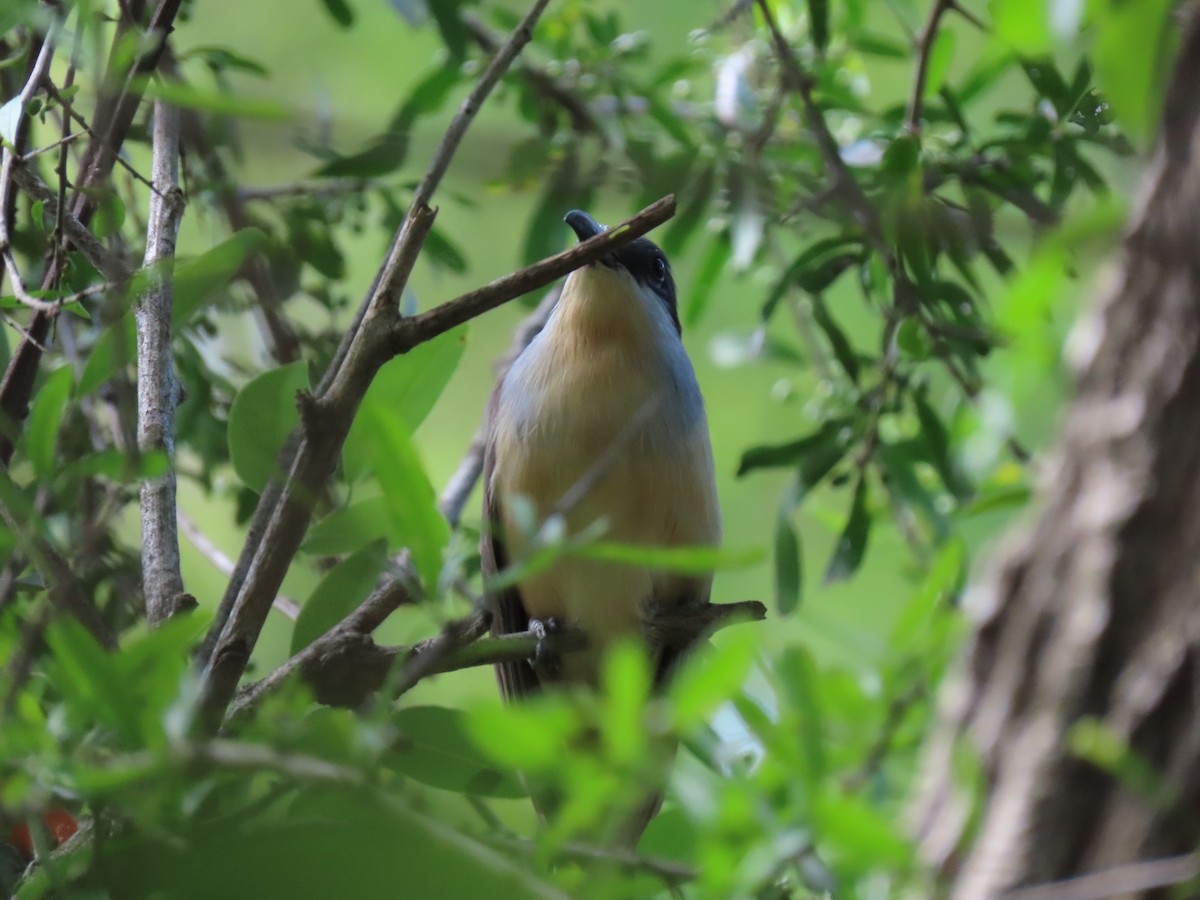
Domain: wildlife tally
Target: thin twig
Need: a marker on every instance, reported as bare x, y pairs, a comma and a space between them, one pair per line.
582, 118
924, 50
157, 389
106, 263
223, 564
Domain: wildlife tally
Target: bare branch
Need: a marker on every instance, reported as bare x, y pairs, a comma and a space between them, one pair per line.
582, 118
157, 388
924, 50
223, 563
113, 268
345, 667
354, 629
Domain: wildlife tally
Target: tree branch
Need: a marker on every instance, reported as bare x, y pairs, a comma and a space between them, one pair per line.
353, 630
363, 351
924, 50
409, 332
114, 269
344, 666
223, 563
157, 388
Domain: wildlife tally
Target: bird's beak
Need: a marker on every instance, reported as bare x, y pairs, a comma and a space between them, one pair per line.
586, 227
582, 224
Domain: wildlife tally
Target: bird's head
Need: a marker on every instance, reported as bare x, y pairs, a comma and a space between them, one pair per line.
639, 269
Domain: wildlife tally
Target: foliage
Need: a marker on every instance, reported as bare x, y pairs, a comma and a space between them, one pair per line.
884, 237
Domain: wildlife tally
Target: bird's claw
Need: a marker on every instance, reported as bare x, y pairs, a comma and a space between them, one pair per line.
546, 661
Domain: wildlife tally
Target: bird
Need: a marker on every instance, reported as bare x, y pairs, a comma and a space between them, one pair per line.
599, 419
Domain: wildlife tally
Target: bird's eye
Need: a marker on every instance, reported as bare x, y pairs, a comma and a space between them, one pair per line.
660, 269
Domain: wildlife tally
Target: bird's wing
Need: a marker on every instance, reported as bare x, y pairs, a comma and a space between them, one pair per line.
516, 679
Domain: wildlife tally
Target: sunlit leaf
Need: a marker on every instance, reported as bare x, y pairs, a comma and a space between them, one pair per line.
408, 385
685, 560
410, 500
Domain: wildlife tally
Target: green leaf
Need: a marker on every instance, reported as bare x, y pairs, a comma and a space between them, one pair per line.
92, 682
684, 560
814, 270
434, 747
818, 23
114, 348
815, 454
716, 258
879, 45
800, 678
340, 11
852, 544
941, 54
411, 502
1130, 71
858, 830
46, 420
217, 102
382, 849
451, 27
937, 439
694, 203
409, 385
708, 679
1023, 24
382, 156
339, 593
262, 416
546, 234
843, 351
348, 528
199, 278
788, 568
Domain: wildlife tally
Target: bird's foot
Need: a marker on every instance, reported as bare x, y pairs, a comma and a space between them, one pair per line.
546, 660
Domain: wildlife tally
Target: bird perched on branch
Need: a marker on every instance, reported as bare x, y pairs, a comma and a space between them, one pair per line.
600, 418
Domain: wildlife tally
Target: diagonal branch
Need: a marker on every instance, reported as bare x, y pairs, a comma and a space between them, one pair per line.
157, 388
924, 51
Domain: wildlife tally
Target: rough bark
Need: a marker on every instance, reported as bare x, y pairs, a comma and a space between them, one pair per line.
162, 582
1091, 614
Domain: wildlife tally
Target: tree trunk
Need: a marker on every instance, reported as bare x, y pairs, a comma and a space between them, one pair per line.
1091, 616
